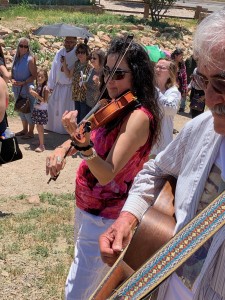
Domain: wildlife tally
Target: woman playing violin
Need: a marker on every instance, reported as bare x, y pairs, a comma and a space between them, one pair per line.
109, 166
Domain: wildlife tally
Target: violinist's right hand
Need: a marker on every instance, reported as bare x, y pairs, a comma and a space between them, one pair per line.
55, 161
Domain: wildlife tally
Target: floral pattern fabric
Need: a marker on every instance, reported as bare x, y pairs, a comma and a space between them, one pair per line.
108, 200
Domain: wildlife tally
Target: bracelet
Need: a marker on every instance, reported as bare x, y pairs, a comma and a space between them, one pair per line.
89, 157
82, 148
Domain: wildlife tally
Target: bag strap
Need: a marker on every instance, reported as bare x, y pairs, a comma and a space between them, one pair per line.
188, 240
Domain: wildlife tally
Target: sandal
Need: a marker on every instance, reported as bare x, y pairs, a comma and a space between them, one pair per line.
40, 149
20, 133
27, 137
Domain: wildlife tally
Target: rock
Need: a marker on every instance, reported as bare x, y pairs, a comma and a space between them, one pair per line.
4, 273
4, 30
21, 18
42, 41
169, 38
141, 27
132, 27
35, 200
17, 30
169, 29
106, 38
57, 45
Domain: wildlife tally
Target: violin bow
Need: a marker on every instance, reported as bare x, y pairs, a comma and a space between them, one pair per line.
99, 104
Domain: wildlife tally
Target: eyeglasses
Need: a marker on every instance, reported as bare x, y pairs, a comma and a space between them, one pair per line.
80, 52
94, 58
217, 83
23, 46
118, 75
161, 67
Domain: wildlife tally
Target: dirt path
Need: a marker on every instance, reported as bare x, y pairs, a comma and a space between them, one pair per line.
27, 176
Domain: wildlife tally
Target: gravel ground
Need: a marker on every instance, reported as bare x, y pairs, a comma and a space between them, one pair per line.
27, 176
129, 8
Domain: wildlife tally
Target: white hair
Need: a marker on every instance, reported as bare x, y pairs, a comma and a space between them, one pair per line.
209, 40
17, 49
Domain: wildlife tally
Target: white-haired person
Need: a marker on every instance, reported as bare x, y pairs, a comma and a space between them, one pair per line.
197, 159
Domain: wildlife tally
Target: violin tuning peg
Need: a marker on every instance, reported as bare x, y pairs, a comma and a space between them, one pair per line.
88, 127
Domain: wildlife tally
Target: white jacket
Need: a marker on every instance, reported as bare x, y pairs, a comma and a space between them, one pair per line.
169, 104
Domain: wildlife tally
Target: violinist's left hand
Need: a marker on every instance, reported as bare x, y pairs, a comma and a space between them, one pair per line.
69, 121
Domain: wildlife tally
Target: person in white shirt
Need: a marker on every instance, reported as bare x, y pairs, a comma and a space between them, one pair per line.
61, 86
168, 98
197, 159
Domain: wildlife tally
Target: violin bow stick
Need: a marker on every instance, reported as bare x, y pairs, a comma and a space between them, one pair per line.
100, 102
120, 57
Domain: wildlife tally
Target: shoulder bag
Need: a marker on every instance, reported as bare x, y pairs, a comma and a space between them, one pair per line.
22, 104
9, 150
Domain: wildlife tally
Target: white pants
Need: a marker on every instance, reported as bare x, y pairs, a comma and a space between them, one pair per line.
87, 269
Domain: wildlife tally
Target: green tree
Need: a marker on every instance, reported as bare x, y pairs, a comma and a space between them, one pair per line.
158, 8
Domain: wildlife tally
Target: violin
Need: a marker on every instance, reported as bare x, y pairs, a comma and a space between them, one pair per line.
103, 112
104, 115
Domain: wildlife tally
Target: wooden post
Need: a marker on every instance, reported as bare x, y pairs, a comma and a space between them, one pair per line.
198, 11
146, 11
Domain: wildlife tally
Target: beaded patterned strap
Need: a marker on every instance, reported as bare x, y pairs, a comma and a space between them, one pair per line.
174, 253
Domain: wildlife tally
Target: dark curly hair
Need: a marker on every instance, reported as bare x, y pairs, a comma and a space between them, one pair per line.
143, 85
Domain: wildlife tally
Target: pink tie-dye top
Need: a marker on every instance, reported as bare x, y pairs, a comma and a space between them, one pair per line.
108, 200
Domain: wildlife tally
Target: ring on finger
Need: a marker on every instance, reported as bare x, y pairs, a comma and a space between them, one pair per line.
58, 159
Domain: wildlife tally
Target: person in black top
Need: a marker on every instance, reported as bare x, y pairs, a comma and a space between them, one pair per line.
190, 64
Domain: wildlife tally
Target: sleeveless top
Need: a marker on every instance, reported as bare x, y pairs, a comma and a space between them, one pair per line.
108, 200
21, 72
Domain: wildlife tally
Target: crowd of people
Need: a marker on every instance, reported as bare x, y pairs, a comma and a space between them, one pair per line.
74, 82
126, 161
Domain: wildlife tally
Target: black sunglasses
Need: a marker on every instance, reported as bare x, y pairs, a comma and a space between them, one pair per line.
217, 82
118, 75
80, 52
94, 58
23, 46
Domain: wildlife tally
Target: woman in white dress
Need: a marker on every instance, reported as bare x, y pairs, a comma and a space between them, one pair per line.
169, 99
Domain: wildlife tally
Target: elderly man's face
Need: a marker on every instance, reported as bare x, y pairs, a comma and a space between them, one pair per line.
215, 93
70, 43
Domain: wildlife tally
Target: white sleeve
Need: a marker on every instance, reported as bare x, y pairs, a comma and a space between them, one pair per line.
169, 102
52, 73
